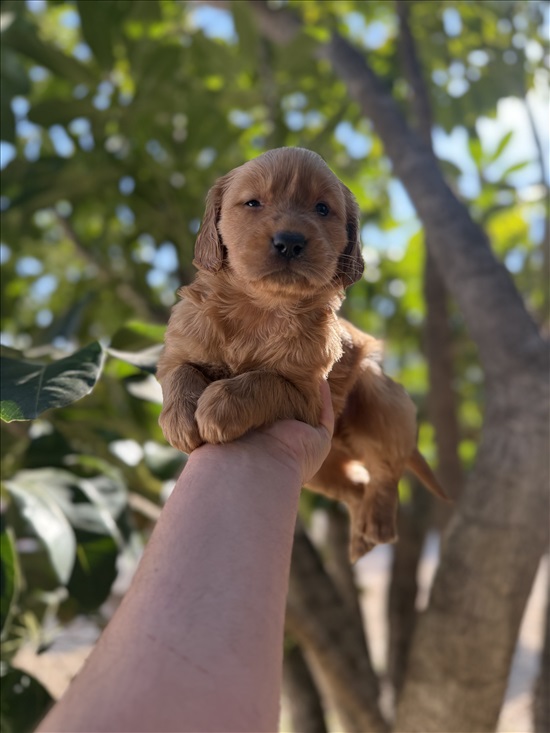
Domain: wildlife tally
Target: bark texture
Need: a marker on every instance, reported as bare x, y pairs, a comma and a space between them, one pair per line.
412, 527
442, 404
318, 618
306, 711
437, 332
541, 708
337, 564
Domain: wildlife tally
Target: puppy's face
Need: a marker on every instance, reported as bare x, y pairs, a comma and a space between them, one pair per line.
284, 224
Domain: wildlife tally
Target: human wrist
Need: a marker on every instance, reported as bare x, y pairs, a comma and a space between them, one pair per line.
252, 459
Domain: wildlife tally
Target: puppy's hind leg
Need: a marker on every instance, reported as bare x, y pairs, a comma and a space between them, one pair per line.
372, 520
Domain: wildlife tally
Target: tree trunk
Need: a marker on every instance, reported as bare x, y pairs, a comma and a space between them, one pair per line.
412, 526
414, 520
338, 566
541, 706
465, 641
318, 618
442, 401
306, 711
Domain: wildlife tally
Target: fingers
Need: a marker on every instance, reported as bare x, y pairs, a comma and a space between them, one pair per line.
327, 413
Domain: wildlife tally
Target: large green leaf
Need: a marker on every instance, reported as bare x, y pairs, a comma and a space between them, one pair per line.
146, 359
44, 520
137, 335
139, 344
9, 576
90, 505
97, 29
29, 388
94, 571
24, 701
89, 509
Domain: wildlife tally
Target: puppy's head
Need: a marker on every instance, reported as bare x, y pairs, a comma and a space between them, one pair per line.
282, 223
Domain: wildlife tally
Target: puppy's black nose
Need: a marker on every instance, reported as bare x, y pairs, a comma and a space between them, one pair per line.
289, 244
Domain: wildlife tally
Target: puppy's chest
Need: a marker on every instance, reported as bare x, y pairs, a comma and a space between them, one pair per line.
284, 345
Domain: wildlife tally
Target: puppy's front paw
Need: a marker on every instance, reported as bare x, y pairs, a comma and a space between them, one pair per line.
220, 414
180, 429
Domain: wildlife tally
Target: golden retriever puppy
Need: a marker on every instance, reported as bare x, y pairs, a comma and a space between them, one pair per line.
256, 332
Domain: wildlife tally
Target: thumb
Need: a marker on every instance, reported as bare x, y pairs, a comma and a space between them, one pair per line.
327, 412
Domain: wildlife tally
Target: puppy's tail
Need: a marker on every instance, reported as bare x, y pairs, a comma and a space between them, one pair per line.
419, 466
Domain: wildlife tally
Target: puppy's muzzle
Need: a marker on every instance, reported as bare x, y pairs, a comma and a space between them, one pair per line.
289, 245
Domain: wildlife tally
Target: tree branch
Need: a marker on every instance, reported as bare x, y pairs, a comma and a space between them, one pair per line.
545, 308
495, 315
442, 401
317, 618
306, 710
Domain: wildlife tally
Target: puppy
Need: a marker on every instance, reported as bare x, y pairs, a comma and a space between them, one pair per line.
256, 332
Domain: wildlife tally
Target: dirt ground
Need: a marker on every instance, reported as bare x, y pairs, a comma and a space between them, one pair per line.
56, 667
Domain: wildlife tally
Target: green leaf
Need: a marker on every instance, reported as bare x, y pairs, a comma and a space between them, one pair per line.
48, 449
163, 461
60, 111
90, 505
7, 120
23, 702
30, 388
93, 516
137, 335
94, 571
476, 151
10, 353
22, 37
146, 359
514, 168
44, 520
96, 22
503, 144
9, 576
139, 344
89, 509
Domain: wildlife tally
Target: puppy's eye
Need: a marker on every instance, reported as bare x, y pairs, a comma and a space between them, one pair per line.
322, 209
253, 203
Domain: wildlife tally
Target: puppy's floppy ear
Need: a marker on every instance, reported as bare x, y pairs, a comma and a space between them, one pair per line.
209, 250
350, 264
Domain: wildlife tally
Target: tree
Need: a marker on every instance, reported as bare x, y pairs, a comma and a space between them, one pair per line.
121, 115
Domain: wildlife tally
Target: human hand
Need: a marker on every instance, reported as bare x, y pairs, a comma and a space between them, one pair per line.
296, 444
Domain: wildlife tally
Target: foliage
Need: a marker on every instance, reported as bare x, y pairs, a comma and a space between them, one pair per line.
31, 388
68, 519
117, 117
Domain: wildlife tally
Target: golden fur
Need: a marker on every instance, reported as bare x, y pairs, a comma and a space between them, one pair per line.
254, 334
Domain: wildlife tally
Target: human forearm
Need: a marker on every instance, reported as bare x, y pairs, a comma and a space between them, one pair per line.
197, 643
